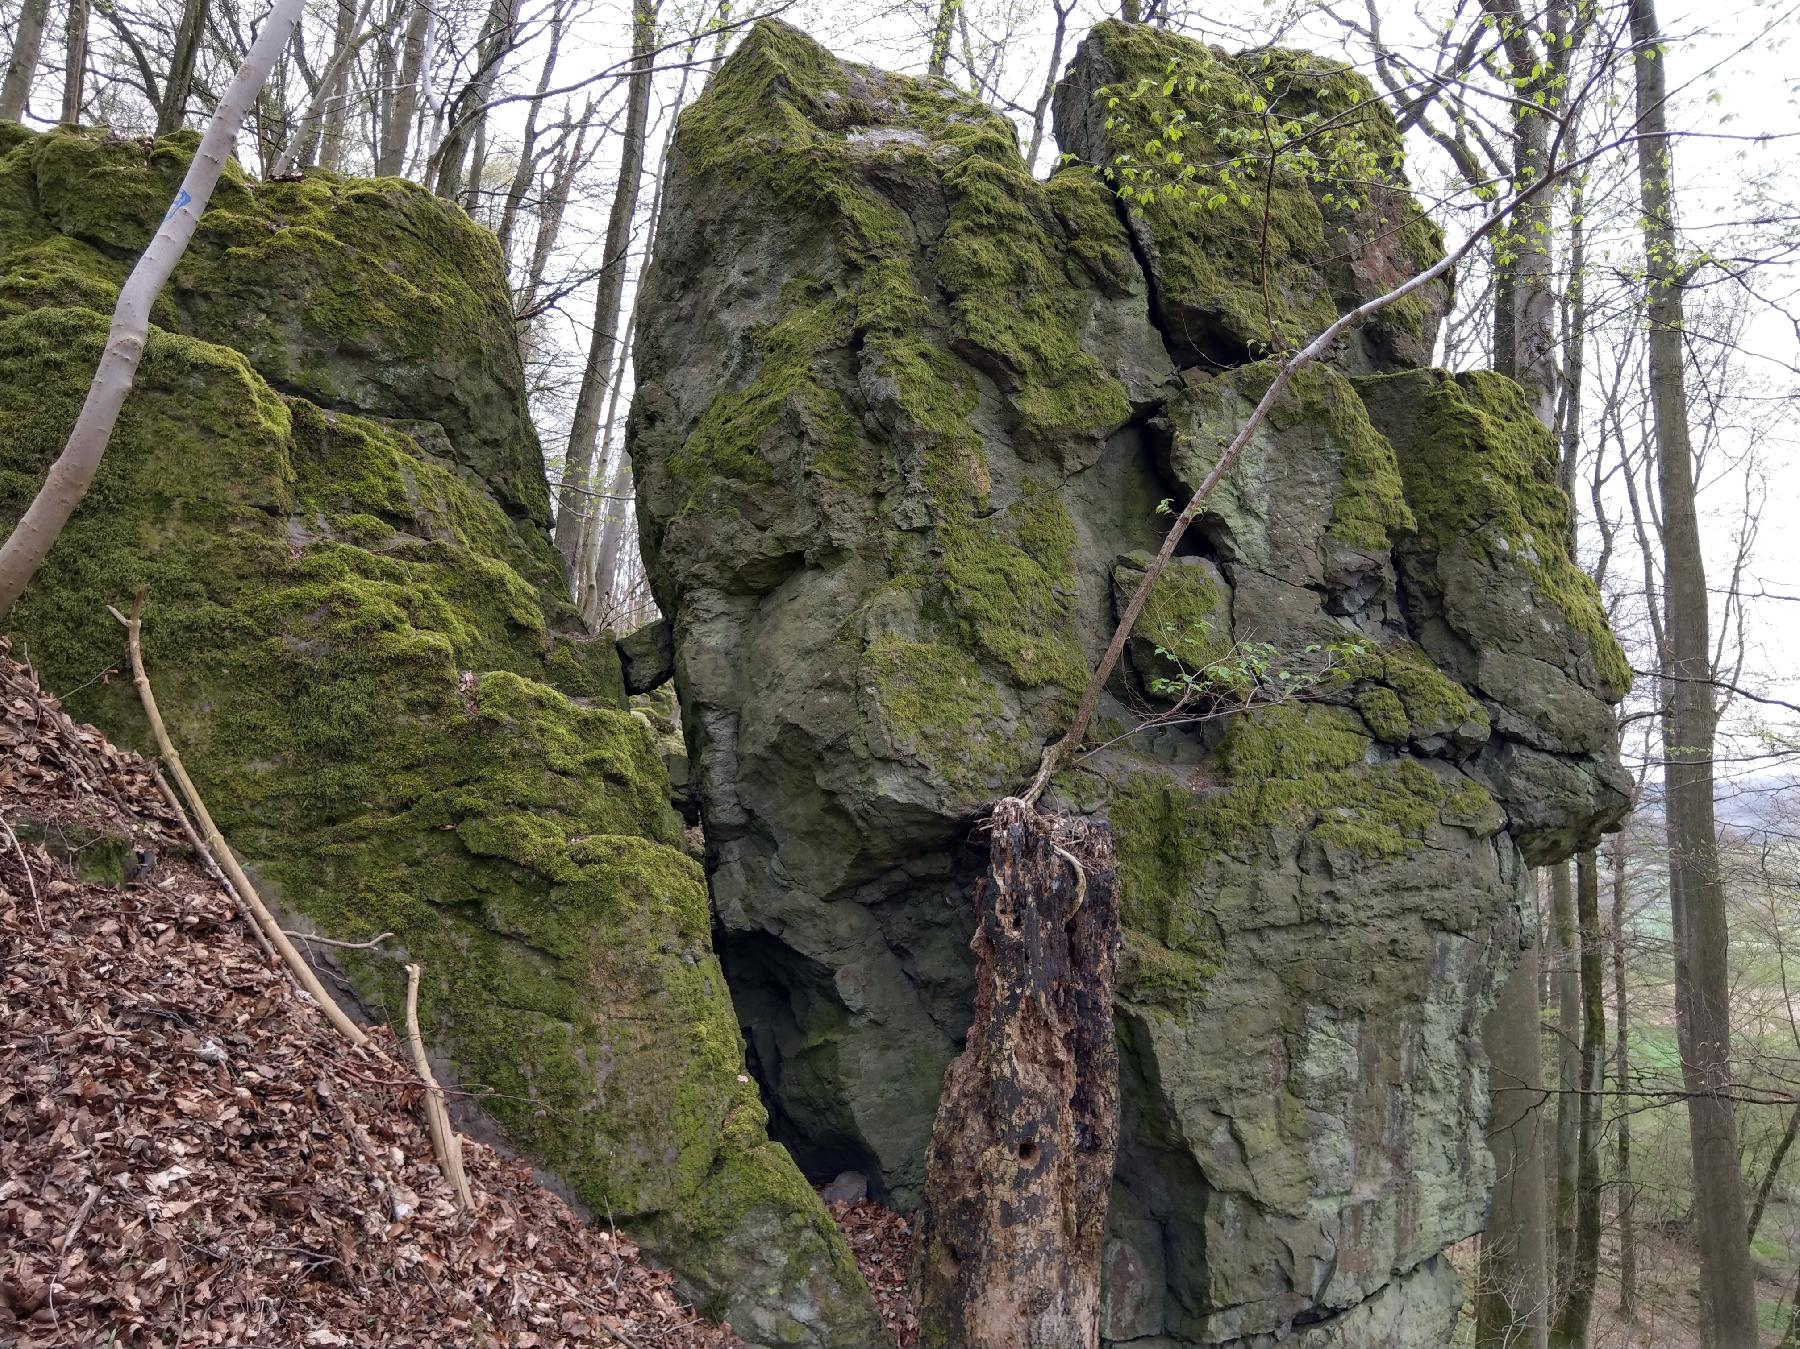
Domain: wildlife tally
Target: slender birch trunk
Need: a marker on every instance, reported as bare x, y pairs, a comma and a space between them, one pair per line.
1689, 727
21, 64
70, 476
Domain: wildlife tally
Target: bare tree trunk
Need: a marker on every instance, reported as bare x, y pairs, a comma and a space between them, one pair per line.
1513, 1285
1622, 1071
572, 499
467, 115
1021, 1159
171, 112
569, 161
941, 33
1689, 726
526, 169
21, 65
67, 482
332, 78
1038, 112
1575, 1314
597, 567
334, 109
1567, 1047
76, 41
402, 103
1771, 1173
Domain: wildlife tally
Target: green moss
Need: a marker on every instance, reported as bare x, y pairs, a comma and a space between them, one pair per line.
778, 121
729, 440
1399, 687
1480, 470
1370, 509
393, 277
1187, 615
1384, 715
1266, 260
1288, 771
937, 701
356, 650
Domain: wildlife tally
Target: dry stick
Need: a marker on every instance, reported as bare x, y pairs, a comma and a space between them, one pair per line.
1058, 750
220, 849
368, 945
62, 1262
444, 1140
204, 853
69, 477
30, 880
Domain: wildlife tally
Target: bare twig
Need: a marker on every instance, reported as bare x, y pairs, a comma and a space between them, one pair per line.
37, 906
445, 1141
62, 1262
220, 849
368, 945
207, 860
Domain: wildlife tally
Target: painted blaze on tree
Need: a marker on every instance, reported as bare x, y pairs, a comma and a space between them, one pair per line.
905, 415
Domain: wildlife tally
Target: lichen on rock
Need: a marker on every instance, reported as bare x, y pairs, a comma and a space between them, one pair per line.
326, 482
904, 420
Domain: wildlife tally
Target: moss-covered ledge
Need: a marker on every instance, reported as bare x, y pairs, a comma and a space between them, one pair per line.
360, 639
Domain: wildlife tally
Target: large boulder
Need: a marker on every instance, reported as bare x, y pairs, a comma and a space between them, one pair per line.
326, 481
906, 426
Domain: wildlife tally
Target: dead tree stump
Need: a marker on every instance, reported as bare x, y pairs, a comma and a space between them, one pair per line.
1021, 1158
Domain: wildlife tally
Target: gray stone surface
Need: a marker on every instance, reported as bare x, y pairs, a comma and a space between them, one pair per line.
904, 419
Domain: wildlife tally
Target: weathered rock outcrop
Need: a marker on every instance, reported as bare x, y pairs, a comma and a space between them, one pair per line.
904, 420
327, 481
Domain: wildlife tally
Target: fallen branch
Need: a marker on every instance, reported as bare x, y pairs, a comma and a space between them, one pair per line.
368, 945
30, 880
445, 1141
220, 849
62, 1263
207, 860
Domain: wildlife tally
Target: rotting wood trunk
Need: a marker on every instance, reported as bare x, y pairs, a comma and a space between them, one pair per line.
1021, 1158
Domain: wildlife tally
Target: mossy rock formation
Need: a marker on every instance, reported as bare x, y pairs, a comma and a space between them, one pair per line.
327, 482
905, 416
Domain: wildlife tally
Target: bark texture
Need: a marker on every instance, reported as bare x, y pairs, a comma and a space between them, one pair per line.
1582, 1259
1021, 1157
21, 64
1513, 1298
1689, 725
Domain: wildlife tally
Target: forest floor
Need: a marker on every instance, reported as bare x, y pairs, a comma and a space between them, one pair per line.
190, 1155
1665, 1314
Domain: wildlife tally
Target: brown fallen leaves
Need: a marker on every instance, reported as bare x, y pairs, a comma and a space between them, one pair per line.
190, 1156
881, 1241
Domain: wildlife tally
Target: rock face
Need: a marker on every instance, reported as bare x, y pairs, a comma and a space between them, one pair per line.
904, 421
327, 481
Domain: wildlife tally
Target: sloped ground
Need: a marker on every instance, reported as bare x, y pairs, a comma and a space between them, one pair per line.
881, 1241
189, 1155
